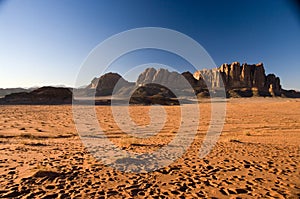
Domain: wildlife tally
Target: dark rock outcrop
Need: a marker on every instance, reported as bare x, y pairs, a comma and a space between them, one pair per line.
238, 80
153, 94
7, 91
273, 83
290, 93
40, 96
196, 84
182, 84
107, 82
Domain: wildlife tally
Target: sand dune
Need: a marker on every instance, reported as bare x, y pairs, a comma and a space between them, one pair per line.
257, 155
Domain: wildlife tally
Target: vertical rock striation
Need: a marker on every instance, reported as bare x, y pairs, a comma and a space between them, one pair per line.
239, 80
245, 76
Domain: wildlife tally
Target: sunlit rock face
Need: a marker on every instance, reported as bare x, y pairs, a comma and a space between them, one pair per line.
238, 80
172, 80
246, 76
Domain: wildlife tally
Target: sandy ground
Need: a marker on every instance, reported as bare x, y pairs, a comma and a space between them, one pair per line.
257, 155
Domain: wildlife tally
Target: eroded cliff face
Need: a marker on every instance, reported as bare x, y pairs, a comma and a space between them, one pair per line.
245, 76
172, 80
249, 78
239, 80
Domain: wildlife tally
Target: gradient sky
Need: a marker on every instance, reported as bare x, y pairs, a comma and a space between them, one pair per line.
44, 42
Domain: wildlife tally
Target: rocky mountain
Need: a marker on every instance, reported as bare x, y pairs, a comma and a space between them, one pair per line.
162, 87
7, 91
181, 84
244, 80
163, 77
107, 82
250, 76
40, 96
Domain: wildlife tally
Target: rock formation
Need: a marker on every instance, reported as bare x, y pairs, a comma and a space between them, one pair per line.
107, 83
209, 78
239, 80
153, 94
181, 84
93, 83
7, 91
162, 86
273, 83
40, 96
246, 77
196, 84
163, 77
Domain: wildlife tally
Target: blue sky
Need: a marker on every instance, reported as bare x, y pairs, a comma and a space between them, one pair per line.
45, 42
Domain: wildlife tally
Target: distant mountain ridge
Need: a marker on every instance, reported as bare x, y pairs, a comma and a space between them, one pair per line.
7, 91
238, 80
160, 86
42, 96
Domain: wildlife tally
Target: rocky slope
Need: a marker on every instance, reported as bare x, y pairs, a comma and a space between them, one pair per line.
238, 80
236, 76
7, 91
244, 80
40, 96
107, 82
162, 86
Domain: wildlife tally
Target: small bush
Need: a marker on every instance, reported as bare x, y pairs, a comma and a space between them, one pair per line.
235, 140
27, 135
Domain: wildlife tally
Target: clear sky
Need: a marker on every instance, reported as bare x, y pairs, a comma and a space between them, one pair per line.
44, 42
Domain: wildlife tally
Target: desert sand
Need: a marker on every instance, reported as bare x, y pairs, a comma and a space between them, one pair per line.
257, 154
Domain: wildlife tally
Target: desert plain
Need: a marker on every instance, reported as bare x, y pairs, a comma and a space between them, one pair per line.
256, 156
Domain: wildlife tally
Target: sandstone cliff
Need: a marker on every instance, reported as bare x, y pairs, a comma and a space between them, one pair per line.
245, 77
163, 77
239, 80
